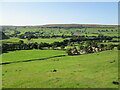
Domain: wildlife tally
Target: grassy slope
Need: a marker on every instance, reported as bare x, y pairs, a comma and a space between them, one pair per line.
82, 71
29, 54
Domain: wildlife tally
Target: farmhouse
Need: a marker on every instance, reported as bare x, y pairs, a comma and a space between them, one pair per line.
94, 49
73, 52
82, 52
90, 49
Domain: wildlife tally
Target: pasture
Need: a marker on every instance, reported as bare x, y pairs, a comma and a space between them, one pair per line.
39, 40
96, 70
21, 55
58, 31
47, 65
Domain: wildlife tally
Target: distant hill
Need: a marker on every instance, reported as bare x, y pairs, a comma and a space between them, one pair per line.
78, 26
66, 26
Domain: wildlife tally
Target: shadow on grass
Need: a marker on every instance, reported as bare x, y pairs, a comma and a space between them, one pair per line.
31, 60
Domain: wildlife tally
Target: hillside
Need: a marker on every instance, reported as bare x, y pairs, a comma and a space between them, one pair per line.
79, 26
81, 71
63, 26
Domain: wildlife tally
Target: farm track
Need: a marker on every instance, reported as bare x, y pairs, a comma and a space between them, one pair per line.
31, 60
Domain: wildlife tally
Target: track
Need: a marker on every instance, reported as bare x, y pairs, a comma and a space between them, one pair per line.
31, 60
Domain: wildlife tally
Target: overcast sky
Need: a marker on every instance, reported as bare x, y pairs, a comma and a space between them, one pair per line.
39, 13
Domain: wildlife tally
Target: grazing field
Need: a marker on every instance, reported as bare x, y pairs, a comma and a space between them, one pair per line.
96, 70
59, 45
21, 55
60, 56
39, 40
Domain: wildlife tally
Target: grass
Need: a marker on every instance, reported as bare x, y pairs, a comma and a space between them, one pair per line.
49, 40
22, 55
50, 31
13, 40
106, 43
95, 70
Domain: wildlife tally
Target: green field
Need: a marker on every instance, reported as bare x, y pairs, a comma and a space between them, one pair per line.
96, 70
39, 40
57, 31
32, 65
22, 55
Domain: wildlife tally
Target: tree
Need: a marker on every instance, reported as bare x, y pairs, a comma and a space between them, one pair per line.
69, 51
81, 47
75, 50
21, 41
101, 45
91, 43
110, 47
21, 45
5, 47
62, 47
40, 46
118, 47
54, 46
35, 45
57, 44
3, 36
111, 30
25, 47
86, 49
29, 38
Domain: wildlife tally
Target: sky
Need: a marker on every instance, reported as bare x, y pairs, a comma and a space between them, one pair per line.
40, 13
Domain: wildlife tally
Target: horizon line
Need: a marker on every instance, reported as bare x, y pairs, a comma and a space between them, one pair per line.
56, 24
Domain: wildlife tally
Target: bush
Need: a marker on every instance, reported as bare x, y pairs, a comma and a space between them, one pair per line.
62, 47
110, 47
69, 51
118, 47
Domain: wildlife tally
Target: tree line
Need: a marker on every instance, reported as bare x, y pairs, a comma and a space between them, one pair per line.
27, 46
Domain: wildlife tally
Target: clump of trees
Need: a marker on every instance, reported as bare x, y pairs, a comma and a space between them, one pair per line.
3, 36
90, 43
90, 47
27, 46
118, 47
68, 51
